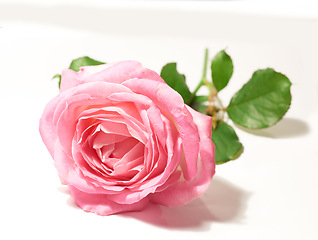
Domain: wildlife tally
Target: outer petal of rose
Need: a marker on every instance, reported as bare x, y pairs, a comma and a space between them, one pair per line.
46, 127
69, 79
185, 191
63, 163
169, 100
117, 72
101, 205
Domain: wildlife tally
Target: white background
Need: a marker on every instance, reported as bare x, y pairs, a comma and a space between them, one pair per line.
271, 192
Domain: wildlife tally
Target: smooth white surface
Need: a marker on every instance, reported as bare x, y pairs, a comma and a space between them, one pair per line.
271, 192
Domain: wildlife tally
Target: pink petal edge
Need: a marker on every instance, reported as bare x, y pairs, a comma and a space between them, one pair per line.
185, 191
101, 205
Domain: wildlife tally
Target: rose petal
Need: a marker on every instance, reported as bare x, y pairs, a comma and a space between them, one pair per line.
185, 191
69, 79
121, 148
63, 163
92, 117
101, 139
117, 72
101, 205
46, 127
92, 184
76, 100
165, 97
129, 160
151, 185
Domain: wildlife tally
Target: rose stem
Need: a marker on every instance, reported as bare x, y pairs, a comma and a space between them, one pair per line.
203, 79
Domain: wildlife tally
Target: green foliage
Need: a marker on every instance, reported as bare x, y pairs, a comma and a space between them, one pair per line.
176, 81
227, 145
83, 61
58, 76
222, 70
262, 101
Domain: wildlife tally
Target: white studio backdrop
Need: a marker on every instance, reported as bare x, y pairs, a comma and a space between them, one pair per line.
269, 192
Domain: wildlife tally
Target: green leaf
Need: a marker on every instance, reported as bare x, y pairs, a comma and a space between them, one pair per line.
59, 78
262, 101
83, 61
199, 104
176, 81
227, 145
201, 98
222, 70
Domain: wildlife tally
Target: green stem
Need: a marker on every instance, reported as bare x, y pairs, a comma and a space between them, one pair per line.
203, 79
206, 56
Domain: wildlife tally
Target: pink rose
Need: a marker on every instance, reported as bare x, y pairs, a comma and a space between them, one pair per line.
120, 138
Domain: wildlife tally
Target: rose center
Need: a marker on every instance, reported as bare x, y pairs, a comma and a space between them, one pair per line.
119, 156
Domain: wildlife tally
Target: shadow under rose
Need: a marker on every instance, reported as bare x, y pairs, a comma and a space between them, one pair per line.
223, 202
286, 128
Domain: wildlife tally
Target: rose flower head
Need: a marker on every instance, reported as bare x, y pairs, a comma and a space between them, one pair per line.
120, 138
